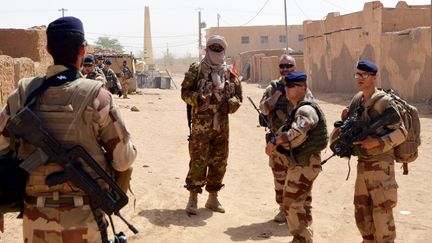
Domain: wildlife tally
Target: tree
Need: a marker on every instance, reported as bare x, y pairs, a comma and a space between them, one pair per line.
109, 43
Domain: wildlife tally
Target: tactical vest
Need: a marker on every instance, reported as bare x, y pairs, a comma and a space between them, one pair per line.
279, 114
205, 84
67, 115
317, 137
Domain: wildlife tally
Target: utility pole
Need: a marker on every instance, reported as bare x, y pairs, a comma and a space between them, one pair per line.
199, 34
286, 28
63, 10
218, 17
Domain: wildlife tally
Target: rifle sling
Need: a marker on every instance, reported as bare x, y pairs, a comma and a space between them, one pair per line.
59, 79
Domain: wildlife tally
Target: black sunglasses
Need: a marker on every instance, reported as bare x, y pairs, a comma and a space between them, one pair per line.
216, 48
292, 85
286, 65
88, 65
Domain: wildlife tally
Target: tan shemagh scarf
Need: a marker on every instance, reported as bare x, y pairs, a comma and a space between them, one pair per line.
214, 62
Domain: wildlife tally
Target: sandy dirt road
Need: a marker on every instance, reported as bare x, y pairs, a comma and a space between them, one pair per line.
160, 130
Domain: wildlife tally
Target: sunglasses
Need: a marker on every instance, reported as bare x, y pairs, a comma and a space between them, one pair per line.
88, 65
363, 75
216, 48
292, 85
286, 65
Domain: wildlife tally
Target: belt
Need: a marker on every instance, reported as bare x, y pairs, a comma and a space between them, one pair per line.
61, 202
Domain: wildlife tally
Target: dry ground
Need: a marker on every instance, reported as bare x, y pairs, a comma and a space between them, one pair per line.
160, 130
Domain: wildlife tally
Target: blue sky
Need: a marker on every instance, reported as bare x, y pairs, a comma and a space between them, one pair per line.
174, 23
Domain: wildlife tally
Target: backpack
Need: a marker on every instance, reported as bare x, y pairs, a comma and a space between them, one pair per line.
407, 151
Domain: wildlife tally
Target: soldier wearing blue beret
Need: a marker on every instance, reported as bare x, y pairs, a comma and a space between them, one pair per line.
91, 71
375, 191
298, 145
113, 83
76, 111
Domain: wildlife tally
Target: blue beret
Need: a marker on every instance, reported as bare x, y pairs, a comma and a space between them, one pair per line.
367, 66
294, 77
108, 61
88, 59
66, 24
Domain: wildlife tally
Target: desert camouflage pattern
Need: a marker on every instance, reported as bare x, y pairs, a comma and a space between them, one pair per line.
66, 224
99, 129
297, 185
208, 142
278, 111
375, 192
125, 80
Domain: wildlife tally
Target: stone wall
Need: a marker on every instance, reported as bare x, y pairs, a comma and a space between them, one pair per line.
29, 43
333, 46
7, 74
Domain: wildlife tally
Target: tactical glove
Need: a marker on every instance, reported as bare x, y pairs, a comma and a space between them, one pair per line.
120, 93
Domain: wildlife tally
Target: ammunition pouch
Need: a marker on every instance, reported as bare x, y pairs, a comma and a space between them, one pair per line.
12, 185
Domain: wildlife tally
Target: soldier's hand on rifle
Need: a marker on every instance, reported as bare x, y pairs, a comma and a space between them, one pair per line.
269, 148
368, 143
281, 88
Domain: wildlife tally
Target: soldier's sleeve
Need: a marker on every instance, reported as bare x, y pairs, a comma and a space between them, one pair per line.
113, 133
4, 135
189, 92
305, 119
267, 103
235, 101
397, 134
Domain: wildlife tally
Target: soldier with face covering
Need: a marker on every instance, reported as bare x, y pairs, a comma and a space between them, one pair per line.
211, 92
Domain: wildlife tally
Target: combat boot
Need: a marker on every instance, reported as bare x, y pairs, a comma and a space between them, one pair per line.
280, 217
192, 205
213, 203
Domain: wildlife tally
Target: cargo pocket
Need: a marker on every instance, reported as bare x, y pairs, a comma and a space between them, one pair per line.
385, 195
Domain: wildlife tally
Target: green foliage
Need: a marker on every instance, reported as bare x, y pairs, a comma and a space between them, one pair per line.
109, 43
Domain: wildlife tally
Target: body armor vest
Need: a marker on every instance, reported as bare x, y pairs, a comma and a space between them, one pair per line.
67, 114
317, 137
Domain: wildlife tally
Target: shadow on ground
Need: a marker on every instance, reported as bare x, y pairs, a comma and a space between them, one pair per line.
258, 231
167, 217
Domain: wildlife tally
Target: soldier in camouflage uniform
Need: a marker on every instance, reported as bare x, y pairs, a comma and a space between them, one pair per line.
298, 147
91, 71
126, 76
61, 212
113, 83
212, 91
274, 106
375, 193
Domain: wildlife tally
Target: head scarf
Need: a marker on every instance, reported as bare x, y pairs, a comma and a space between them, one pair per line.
214, 62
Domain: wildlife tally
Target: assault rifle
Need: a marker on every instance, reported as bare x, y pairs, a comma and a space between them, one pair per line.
353, 130
27, 125
262, 119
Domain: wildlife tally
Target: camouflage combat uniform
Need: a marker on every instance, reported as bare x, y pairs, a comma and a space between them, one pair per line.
276, 113
113, 84
306, 136
125, 79
375, 193
96, 74
208, 142
61, 213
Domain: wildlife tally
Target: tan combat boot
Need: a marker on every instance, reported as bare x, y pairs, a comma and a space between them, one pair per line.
213, 203
191, 207
280, 217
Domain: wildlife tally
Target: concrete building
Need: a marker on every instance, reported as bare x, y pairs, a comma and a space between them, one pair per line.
397, 39
249, 38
